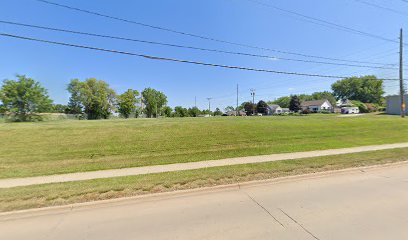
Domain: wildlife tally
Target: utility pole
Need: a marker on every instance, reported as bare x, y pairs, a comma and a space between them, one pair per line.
401, 78
195, 101
209, 106
253, 100
236, 110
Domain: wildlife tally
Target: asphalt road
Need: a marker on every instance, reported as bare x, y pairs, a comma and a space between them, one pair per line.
367, 204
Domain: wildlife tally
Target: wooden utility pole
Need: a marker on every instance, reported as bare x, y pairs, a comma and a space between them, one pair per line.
401, 78
236, 110
253, 100
209, 106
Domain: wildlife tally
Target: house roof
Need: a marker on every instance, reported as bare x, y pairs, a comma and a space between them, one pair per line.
313, 103
273, 106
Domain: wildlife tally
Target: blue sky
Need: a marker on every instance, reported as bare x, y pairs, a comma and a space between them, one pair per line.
239, 21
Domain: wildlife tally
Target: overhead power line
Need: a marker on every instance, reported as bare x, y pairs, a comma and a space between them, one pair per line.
382, 7
321, 21
195, 48
200, 36
175, 59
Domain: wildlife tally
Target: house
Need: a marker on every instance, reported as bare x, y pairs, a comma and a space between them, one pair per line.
234, 113
285, 110
344, 103
273, 109
317, 105
394, 105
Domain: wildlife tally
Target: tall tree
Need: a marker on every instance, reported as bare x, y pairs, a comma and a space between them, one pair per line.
96, 97
366, 89
127, 103
249, 108
262, 107
229, 109
74, 104
324, 95
194, 112
167, 111
283, 102
154, 101
180, 112
24, 97
294, 104
217, 112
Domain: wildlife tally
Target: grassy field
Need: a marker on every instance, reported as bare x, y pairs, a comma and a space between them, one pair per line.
84, 191
43, 148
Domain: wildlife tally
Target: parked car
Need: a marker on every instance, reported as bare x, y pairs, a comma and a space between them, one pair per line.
350, 110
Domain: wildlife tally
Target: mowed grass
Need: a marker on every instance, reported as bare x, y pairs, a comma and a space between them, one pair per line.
75, 192
33, 149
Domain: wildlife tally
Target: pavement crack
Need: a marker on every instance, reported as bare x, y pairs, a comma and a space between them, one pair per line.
299, 224
263, 208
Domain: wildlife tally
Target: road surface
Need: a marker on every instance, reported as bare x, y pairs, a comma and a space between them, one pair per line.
360, 204
80, 176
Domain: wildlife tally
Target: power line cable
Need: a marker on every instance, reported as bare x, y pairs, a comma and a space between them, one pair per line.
195, 35
191, 47
176, 60
382, 7
328, 24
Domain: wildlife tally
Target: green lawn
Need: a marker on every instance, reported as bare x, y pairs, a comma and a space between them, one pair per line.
32, 149
91, 190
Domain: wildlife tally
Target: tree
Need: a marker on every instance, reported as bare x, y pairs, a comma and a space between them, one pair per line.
283, 102
167, 111
249, 108
127, 103
59, 108
325, 95
294, 104
24, 97
366, 89
194, 112
154, 101
95, 96
74, 104
262, 107
217, 112
180, 112
229, 109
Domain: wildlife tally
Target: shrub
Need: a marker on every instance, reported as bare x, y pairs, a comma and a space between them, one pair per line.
306, 111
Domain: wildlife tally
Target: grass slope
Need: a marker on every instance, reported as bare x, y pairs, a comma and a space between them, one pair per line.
99, 189
32, 149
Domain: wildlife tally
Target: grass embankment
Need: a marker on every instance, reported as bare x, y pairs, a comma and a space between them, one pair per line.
99, 189
43, 148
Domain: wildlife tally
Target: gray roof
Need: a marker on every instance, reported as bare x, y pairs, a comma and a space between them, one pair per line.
273, 106
313, 103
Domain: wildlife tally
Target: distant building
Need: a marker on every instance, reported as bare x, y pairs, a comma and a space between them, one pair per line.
394, 105
344, 103
234, 113
285, 110
273, 109
317, 105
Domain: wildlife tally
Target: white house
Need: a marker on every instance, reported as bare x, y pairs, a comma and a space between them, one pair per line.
273, 109
317, 105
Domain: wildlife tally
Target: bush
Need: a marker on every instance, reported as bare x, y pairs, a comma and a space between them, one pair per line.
306, 111
25, 118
